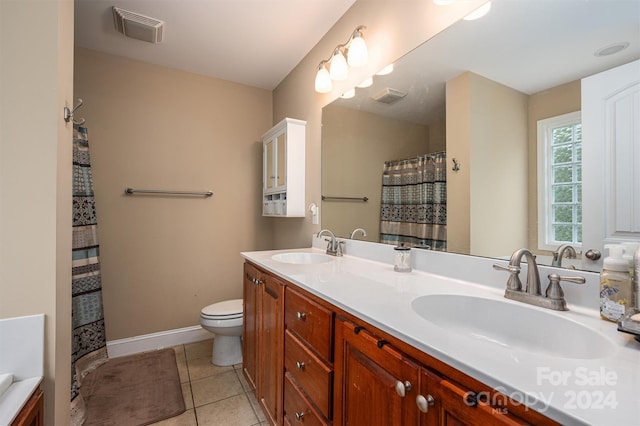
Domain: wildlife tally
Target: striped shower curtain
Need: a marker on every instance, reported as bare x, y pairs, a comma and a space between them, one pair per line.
414, 202
89, 349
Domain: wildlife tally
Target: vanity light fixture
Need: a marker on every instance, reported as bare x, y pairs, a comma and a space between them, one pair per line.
353, 53
338, 70
323, 79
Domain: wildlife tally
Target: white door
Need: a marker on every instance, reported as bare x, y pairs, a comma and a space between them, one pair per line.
611, 160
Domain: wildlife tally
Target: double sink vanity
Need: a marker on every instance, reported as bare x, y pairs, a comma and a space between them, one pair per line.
347, 340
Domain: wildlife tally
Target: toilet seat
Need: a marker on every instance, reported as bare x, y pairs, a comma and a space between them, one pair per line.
227, 310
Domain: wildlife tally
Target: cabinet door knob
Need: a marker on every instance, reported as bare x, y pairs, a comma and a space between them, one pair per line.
301, 316
593, 254
299, 365
402, 388
425, 402
299, 416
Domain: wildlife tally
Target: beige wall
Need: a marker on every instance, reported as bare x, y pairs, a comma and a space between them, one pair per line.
35, 181
487, 134
393, 29
150, 127
458, 106
549, 103
355, 145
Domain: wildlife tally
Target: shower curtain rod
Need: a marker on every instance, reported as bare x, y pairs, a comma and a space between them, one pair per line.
328, 198
131, 191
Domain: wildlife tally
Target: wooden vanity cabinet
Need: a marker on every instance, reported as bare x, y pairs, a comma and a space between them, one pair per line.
308, 359
263, 344
447, 403
32, 413
250, 323
378, 385
315, 364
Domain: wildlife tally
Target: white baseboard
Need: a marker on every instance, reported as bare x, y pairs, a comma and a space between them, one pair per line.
153, 341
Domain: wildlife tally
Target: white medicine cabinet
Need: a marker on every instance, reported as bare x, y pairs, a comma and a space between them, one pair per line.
283, 176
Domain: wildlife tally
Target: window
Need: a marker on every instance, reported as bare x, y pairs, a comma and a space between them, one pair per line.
560, 181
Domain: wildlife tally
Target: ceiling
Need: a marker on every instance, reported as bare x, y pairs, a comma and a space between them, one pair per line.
252, 42
528, 45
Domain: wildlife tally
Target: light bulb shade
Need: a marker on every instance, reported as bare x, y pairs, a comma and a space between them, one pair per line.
358, 55
338, 69
323, 80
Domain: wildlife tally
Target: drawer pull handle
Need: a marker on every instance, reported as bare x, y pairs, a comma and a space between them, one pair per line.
301, 316
357, 329
299, 416
381, 343
402, 388
425, 403
300, 365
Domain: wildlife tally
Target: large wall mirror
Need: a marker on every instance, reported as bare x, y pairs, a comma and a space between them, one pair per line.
499, 76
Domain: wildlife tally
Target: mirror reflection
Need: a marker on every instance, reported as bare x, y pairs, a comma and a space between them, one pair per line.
474, 93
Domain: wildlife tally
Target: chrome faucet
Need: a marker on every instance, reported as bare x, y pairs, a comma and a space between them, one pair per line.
334, 247
533, 278
553, 297
355, 231
559, 254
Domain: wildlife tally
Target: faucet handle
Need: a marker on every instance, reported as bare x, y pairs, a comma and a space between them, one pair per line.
509, 268
554, 291
514, 282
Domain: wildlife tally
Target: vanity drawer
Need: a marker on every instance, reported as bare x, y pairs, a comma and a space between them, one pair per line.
310, 372
297, 409
310, 321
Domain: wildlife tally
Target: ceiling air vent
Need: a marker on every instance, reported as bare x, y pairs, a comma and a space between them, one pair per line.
138, 26
388, 95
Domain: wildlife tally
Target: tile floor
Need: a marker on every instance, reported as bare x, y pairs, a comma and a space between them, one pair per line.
214, 396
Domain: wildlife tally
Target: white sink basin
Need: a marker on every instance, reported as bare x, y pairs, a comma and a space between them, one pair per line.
301, 258
515, 326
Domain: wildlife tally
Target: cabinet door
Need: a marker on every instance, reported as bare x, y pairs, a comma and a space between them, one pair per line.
271, 349
447, 404
251, 323
376, 385
610, 159
269, 158
281, 160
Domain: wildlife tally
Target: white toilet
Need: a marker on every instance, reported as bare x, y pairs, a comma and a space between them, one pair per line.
224, 319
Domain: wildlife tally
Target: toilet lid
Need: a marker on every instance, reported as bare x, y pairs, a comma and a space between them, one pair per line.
228, 309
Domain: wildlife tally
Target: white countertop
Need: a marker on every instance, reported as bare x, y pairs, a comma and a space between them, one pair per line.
600, 391
21, 356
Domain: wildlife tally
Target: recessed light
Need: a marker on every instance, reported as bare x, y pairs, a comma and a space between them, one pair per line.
612, 49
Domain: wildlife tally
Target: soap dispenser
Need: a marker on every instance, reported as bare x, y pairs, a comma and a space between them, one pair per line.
615, 285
